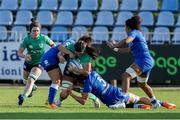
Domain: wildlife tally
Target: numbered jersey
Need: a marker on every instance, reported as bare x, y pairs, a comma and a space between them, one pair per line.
107, 93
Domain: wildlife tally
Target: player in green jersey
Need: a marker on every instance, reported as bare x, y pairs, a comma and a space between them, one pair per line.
35, 44
83, 52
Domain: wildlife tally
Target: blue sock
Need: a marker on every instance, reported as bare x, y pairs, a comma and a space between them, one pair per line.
52, 93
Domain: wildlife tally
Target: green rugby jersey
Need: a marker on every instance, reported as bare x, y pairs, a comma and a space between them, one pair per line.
35, 47
84, 58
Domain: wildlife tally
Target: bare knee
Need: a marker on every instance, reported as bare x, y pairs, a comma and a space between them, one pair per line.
64, 94
142, 85
126, 76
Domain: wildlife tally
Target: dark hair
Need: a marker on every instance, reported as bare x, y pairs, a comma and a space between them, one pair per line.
34, 23
134, 23
80, 46
86, 39
92, 52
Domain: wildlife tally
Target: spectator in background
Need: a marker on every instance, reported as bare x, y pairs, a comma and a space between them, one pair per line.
35, 43
143, 62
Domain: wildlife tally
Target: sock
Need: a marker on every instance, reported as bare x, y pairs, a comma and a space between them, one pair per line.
153, 100
52, 93
61, 99
137, 106
92, 97
24, 97
28, 88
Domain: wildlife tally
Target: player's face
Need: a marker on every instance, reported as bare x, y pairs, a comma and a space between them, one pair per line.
35, 31
79, 53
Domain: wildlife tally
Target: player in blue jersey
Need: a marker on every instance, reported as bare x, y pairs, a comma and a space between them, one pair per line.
112, 96
50, 62
143, 62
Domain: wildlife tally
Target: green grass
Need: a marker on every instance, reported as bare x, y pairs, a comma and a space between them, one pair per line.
34, 108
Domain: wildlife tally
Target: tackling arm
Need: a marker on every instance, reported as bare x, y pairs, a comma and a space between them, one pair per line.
82, 100
65, 51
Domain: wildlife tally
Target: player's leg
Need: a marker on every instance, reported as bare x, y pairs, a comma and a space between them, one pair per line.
130, 73
56, 76
67, 84
135, 101
25, 80
33, 76
142, 82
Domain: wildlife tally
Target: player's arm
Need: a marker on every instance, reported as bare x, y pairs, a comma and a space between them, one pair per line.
52, 44
84, 71
122, 50
64, 51
21, 54
121, 44
82, 100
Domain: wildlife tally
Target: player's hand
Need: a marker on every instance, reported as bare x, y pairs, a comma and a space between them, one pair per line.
61, 59
70, 68
28, 57
111, 44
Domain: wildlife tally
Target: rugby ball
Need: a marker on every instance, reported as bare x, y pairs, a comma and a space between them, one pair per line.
76, 64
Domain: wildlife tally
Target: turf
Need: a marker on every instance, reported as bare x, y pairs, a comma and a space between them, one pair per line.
34, 108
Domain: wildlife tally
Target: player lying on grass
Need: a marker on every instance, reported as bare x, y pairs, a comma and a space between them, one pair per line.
112, 96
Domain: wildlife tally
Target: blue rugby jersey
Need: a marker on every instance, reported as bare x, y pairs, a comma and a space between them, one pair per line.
107, 93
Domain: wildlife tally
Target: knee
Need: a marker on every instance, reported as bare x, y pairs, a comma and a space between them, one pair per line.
142, 85
125, 76
56, 82
64, 94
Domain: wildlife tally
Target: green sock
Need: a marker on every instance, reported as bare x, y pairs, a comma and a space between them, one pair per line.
92, 97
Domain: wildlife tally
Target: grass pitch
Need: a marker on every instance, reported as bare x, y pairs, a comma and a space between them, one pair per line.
34, 108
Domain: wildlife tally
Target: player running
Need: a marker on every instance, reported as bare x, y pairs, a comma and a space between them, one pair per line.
143, 62
35, 44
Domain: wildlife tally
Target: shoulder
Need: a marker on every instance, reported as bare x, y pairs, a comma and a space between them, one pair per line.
43, 37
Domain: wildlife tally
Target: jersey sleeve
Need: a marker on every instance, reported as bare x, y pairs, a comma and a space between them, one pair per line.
48, 40
24, 43
71, 47
87, 87
132, 34
68, 42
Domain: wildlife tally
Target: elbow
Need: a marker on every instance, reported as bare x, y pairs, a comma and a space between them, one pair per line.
86, 73
19, 53
61, 47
